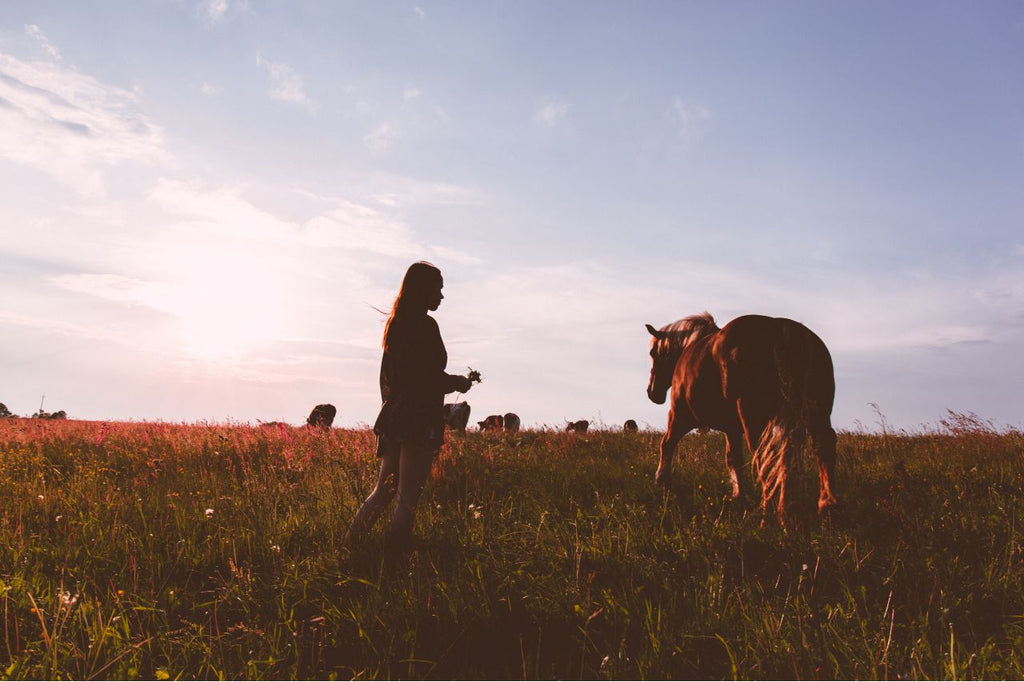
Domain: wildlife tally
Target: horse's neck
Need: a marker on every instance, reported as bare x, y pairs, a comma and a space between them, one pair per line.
684, 340
673, 351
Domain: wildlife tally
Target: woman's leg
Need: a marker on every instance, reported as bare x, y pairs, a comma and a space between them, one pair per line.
377, 502
414, 470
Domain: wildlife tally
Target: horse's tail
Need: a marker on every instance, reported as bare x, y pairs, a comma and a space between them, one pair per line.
782, 443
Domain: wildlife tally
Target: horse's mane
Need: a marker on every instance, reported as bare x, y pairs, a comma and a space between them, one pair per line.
681, 333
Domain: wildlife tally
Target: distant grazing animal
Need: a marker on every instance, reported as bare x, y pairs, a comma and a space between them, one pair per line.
580, 426
511, 421
456, 416
629, 426
495, 422
322, 416
768, 380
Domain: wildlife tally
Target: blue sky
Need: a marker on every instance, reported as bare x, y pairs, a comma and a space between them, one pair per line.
204, 201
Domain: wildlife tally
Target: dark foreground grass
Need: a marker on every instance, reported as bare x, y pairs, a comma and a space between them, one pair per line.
171, 551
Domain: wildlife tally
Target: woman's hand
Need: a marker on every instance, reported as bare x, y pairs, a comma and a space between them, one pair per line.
462, 384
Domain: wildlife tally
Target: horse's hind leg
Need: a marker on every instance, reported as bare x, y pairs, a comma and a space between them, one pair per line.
741, 487
823, 442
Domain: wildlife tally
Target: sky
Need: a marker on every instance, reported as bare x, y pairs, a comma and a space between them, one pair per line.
206, 203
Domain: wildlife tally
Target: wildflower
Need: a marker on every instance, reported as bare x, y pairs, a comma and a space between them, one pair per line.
41, 498
58, 518
209, 513
275, 548
68, 600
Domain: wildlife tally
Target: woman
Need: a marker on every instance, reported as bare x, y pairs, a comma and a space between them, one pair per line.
410, 427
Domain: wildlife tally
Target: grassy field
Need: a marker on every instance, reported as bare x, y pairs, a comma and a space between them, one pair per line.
213, 551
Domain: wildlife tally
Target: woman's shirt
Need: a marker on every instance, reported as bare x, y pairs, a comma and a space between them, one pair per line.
413, 382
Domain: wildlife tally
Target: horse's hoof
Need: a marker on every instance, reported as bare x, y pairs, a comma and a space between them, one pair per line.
741, 502
827, 506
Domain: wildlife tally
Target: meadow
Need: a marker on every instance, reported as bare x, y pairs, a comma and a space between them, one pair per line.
167, 551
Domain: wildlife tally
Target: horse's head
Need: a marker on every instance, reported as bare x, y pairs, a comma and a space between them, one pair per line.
663, 363
667, 346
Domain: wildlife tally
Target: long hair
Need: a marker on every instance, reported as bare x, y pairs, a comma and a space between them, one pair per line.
419, 280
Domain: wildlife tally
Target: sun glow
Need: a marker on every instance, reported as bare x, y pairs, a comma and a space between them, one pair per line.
228, 304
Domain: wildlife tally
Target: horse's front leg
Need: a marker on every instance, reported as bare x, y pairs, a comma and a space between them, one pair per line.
742, 489
669, 443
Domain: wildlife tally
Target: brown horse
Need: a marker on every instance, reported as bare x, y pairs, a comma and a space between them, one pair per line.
768, 380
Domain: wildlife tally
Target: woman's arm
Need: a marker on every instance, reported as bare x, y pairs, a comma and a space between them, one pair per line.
456, 383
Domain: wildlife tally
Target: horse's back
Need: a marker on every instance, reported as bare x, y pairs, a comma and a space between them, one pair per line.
761, 356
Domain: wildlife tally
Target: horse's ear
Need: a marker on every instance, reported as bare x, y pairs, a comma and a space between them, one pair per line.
654, 332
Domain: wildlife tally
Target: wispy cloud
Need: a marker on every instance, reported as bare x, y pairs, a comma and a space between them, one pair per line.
71, 126
223, 209
449, 254
551, 113
215, 11
358, 227
396, 191
373, 225
209, 89
116, 288
408, 115
380, 139
286, 84
687, 120
63, 327
420, 13
36, 34
422, 115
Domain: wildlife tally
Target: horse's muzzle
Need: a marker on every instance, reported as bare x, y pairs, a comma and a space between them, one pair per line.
658, 398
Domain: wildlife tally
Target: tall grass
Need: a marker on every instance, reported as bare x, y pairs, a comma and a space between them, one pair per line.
180, 551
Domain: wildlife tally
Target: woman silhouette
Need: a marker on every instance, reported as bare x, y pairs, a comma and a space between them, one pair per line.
413, 383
